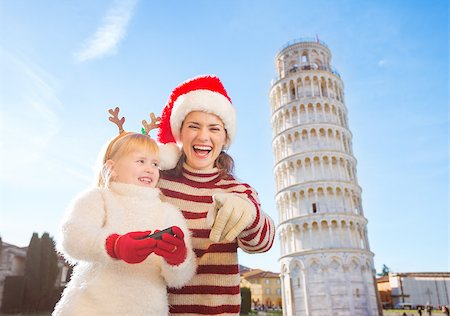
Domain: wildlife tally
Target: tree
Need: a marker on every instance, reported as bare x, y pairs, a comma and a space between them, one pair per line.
49, 271
41, 271
246, 300
32, 274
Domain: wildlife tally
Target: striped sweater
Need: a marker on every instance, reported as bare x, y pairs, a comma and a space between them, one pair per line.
214, 290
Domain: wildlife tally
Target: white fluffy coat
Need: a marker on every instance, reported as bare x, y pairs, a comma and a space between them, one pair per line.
101, 285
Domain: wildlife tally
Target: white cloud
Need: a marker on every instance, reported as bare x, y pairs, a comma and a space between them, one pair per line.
29, 120
382, 62
27, 112
109, 34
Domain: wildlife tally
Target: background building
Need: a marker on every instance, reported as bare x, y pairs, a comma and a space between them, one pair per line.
416, 288
326, 264
12, 263
265, 287
384, 290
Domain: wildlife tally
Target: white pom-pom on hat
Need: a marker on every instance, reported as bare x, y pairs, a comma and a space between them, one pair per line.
169, 155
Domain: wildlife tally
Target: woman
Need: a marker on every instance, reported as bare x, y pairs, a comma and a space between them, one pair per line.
221, 212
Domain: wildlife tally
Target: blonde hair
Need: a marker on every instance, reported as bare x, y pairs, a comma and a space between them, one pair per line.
120, 146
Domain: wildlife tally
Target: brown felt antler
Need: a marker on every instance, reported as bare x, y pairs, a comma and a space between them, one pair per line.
152, 125
115, 119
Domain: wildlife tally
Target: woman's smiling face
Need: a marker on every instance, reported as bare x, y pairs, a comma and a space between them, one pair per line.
203, 137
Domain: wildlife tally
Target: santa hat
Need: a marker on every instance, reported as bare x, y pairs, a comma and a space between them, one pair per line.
203, 93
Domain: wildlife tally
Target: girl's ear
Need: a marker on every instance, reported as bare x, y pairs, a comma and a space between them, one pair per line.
109, 164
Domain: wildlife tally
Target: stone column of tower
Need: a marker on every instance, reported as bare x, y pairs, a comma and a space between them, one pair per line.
326, 264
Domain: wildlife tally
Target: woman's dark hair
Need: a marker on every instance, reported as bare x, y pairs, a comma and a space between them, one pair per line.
224, 163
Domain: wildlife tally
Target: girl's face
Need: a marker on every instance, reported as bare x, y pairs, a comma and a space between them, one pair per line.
138, 167
203, 137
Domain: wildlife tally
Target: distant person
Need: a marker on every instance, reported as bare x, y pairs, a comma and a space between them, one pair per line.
222, 212
419, 310
429, 310
445, 310
118, 269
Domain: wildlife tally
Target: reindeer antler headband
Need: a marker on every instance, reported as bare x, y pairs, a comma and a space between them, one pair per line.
153, 124
147, 127
169, 153
114, 118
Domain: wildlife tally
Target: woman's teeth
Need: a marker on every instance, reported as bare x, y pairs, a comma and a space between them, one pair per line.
202, 150
203, 147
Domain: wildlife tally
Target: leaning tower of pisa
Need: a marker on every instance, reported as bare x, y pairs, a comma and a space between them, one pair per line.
326, 264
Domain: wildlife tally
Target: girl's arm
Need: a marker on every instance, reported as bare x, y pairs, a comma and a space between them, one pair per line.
83, 232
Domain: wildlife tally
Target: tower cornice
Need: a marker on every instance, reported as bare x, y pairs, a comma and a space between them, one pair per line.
309, 218
310, 100
329, 252
314, 153
316, 125
316, 184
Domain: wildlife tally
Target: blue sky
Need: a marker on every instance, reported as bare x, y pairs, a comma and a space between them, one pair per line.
64, 63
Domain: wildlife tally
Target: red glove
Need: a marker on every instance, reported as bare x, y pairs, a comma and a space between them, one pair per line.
132, 247
172, 248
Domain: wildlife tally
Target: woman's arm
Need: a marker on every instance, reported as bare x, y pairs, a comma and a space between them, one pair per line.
237, 215
259, 236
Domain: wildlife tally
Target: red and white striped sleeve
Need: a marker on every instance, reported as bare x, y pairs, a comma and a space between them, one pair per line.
259, 236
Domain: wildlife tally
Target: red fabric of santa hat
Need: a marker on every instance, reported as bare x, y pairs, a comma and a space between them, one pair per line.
204, 93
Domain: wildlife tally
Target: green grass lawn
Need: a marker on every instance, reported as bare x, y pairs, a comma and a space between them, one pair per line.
252, 313
26, 314
409, 312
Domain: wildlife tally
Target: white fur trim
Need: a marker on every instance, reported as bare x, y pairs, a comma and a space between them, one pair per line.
206, 101
177, 276
169, 154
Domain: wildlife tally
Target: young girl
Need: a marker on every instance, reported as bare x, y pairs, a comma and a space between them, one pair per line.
119, 270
